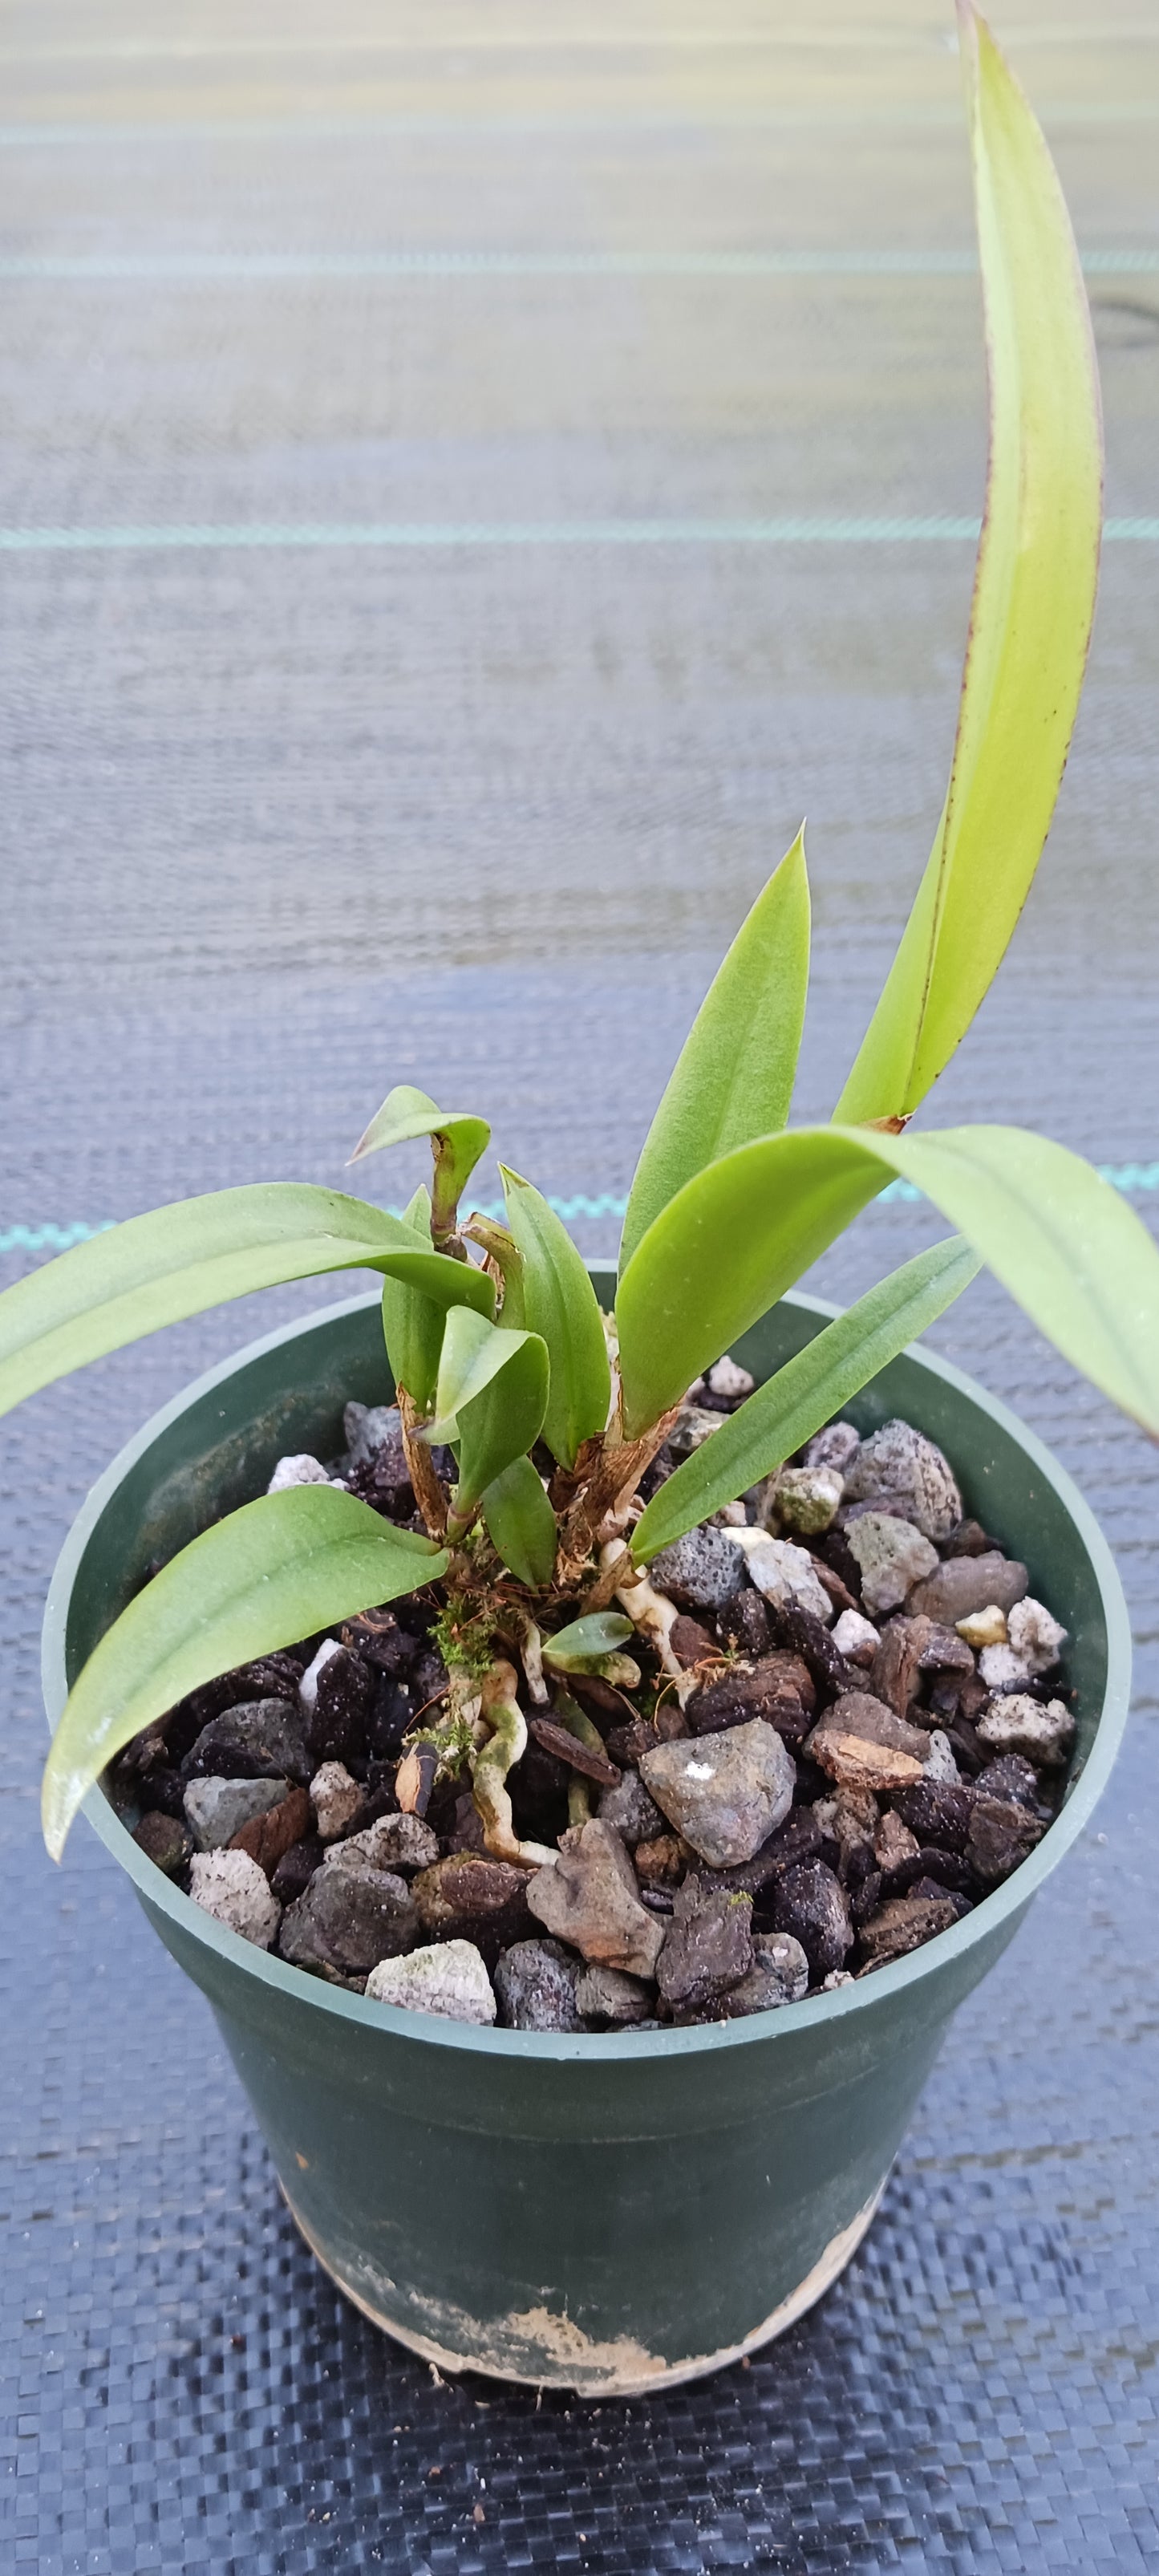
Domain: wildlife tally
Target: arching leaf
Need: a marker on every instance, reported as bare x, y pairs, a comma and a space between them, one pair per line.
559, 1303
273, 1572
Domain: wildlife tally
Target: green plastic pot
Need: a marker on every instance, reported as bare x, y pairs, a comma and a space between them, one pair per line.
606, 2214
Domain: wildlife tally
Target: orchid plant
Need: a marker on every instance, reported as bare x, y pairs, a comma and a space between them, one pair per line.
498, 1348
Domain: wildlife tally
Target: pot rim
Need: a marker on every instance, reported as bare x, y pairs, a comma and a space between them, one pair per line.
595, 2047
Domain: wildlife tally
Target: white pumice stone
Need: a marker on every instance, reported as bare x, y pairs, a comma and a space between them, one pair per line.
336, 1797
1002, 1670
783, 1572
984, 1627
1019, 1724
730, 1380
1035, 1635
447, 1977
231, 1887
308, 1686
856, 1638
299, 1470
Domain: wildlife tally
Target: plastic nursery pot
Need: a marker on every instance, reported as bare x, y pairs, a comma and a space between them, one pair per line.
607, 2214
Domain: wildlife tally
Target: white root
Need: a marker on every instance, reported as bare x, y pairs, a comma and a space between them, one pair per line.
531, 1657
491, 1764
655, 1616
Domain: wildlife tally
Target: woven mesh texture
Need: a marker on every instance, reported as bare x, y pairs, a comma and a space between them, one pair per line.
290, 825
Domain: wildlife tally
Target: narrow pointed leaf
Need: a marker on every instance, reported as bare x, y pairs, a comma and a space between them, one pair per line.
412, 1323
1034, 596
560, 1304
806, 1393
1065, 1244
584, 1641
521, 1523
276, 1570
458, 1141
158, 1269
734, 1076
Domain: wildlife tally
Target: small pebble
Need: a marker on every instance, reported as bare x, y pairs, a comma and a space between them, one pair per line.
729, 1379
785, 1574
231, 1887
725, 1793
807, 1498
215, 1809
940, 1763
165, 1842
984, 1627
394, 1842
856, 1637
810, 1903
367, 1428
899, 1465
701, 1571
302, 1470
590, 1898
537, 1984
1036, 1636
835, 1447
336, 1799
892, 1557
607, 1995
1018, 1724
447, 1978
962, 1584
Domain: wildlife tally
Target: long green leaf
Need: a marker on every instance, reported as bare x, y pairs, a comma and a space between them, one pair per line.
1034, 596
560, 1304
521, 1524
1065, 1244
275, 1571
157, 1269
807, 1392
457, 1140
412, 1324
733, 1079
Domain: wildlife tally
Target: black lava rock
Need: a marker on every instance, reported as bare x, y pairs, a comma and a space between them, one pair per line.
296, 1868
536, 1982
744, 1624
262, 1740
936, 1812
810, 1902
168, 1844
336, 1726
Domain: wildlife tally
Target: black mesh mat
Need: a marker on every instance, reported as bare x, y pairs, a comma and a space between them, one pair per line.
284, 826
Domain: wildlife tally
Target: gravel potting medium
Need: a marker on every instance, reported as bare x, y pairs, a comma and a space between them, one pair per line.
217, 758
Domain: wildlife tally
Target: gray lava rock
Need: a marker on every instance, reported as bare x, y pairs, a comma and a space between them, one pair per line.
448, 1978
215, 1810
164, 1841
350, 1918
264, 1739
725, 1793
810, 1902
701, 1571
630, 1811
779, 1975
1019, 1724
892, 1556
590, 1898
707, 1947
607, 1996
964, 1584
537, 1982
394, 1842
898, 1465
231, 1887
